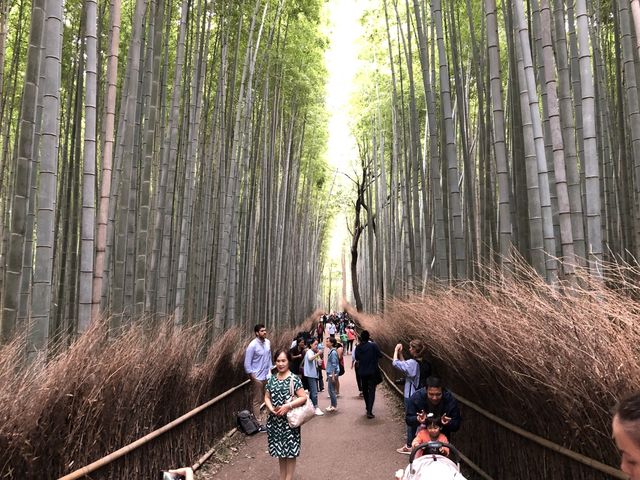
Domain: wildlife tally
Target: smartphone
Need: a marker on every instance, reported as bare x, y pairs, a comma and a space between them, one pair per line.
171, 476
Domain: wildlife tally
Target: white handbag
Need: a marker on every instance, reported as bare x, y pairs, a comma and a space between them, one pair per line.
302, 414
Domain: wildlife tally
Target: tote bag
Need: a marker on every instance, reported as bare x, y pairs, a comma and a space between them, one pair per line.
302, 414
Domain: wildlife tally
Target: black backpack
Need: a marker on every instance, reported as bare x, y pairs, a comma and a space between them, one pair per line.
425, 372
247, 422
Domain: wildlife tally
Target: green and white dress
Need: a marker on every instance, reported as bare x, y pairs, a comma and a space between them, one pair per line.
284, 441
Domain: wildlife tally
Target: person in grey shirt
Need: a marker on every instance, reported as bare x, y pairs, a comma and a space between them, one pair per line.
257, 364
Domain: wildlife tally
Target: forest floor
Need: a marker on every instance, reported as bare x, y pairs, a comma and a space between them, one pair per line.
344, 444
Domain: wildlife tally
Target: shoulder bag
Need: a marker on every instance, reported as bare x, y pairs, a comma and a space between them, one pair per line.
302, 414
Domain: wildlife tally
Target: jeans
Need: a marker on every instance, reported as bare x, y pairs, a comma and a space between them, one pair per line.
332, 391
368, 391
411, 431
313, 390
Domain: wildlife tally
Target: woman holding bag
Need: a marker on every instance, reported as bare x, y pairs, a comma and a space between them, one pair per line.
284, 441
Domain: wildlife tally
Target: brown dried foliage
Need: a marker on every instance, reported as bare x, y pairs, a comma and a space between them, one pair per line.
553, 360
103, 393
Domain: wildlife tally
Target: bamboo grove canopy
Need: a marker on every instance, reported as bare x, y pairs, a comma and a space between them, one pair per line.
495, 132
165, 158
160, 158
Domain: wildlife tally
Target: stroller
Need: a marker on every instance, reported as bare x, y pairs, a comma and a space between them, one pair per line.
432, 466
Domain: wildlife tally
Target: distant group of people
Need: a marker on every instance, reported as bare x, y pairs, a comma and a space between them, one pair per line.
340, 326
431, 412
298, 374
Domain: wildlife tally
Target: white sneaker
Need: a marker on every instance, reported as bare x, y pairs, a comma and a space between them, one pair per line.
319, 412
331, 409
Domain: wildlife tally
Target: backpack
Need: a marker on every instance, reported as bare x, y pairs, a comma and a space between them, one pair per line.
425, 372
247, 422
340, 360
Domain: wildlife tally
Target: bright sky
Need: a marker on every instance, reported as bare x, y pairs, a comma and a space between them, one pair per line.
342, 64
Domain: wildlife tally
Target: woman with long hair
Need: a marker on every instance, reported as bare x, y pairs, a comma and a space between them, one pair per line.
284, 441
411, 370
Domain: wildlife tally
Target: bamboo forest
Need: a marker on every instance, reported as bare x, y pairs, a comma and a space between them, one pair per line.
172, 173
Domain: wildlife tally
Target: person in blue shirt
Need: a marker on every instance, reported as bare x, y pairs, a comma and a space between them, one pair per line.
333, 370
257, 364
411, 370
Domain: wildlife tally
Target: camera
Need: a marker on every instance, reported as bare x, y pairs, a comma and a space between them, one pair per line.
171, 476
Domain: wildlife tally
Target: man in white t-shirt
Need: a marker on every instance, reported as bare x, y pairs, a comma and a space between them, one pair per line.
331, 328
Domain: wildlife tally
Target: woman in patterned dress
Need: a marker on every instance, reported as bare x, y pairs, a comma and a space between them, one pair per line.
284, 441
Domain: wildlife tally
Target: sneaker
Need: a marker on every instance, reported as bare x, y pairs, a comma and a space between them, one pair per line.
360, 394
330, 409
404, 450
262, 429
319, 412
338, 395
370, 415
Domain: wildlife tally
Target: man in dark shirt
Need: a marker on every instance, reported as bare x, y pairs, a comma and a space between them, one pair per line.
437, 400
296, 356
367, 354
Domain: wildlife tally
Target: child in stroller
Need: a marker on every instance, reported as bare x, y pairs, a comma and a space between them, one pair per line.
430, 432
429, 456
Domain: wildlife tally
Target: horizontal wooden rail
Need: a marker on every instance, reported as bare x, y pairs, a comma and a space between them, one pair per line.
213, 449
81, 472
583, 459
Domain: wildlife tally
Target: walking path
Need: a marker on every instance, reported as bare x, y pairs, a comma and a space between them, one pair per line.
344, 444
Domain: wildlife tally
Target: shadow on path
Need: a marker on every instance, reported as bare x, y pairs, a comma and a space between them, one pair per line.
341, 445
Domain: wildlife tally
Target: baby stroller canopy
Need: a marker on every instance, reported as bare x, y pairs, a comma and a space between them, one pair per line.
432, 466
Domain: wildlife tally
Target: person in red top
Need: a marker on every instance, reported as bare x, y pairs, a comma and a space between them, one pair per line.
430, 433
320, 330
351, 336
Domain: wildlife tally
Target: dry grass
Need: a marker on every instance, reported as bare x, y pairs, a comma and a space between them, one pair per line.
101, 394
553, 360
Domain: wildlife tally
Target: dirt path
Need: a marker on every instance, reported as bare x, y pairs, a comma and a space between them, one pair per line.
344, 444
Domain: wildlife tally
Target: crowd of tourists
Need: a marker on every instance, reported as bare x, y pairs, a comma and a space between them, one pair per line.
315, 362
